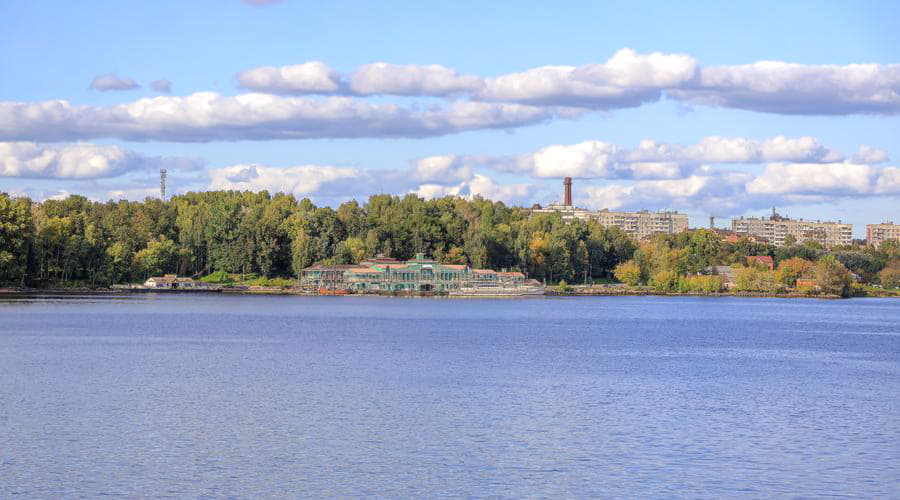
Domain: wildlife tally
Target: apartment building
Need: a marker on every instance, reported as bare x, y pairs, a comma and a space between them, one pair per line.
776, 228
638, 225
643, 224
876, 234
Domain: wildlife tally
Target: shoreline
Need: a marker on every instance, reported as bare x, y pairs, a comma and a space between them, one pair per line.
12, 292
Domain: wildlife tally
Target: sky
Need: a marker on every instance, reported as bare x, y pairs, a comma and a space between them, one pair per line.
721, 109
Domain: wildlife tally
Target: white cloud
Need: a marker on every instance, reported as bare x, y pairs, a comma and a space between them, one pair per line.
732, 192
717, 149
779, 87
299, 180
162, 86
105, 83
208, 116
804, 178
313, 77
869, 155
655, 160
80, 161
628, 79
585, 159
441, 169
888, 181
484, 186
411, 80
479, 185
76, 161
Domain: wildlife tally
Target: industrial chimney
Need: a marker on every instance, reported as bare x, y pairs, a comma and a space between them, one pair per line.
568, 194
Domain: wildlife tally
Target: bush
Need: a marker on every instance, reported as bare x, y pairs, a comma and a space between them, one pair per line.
664, 281
700, 284
218, 277
628, 272
563, 286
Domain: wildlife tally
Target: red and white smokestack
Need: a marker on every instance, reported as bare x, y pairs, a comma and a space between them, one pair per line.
568, 195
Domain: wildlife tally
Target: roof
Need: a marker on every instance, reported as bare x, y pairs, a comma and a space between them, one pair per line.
453, 266
511, 273
483, 271
363, 270
337, 267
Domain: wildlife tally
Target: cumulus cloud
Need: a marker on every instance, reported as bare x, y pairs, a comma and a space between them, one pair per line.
411, 80
479, 185
162, 86
785, 88
444, 169
869, 155
79, 161
656, 160
628, 79
803, 178
208, 116
299, 180
888, 181
313, 77
732, 192
105, 83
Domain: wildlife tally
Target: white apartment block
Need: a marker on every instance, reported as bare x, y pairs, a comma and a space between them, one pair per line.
638, 225
876, 234
776, 228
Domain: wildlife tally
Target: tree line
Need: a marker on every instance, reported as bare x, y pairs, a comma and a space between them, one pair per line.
75, 241
78, 242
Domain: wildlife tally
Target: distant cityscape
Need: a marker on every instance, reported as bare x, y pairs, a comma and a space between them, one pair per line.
775, 229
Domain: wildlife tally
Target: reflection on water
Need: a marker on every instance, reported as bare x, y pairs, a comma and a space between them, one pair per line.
252, 396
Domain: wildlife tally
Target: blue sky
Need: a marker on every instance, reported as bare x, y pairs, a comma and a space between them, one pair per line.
498, 132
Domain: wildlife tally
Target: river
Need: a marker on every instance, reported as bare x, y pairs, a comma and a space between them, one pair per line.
260, 396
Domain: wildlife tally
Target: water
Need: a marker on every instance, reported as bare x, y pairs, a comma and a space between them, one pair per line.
250, 396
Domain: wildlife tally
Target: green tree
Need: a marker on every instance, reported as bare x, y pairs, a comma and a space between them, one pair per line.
832, 277
628, 272
160, 257
16, 238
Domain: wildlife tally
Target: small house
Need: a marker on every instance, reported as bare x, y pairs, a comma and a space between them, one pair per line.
172, 282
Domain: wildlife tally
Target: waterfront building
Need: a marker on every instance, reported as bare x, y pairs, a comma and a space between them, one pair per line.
776, 228
172, 281
639, 225
418, 275
876, 234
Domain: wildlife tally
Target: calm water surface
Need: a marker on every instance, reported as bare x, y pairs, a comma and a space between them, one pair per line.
207, 395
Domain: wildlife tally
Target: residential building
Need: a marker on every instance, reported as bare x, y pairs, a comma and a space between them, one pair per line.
876, 234
776, 228
638, 225
643, 224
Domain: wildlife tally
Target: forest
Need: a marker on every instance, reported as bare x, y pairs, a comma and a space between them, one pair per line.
79, 242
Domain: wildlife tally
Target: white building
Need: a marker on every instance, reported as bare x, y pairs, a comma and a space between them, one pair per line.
776, 228
638, 225
172, 281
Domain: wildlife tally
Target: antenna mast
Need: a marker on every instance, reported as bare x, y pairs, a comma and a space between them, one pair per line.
162, 184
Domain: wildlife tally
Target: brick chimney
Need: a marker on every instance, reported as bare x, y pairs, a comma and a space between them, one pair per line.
568, 193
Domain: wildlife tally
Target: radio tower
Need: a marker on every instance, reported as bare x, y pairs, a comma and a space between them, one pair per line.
162, 184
